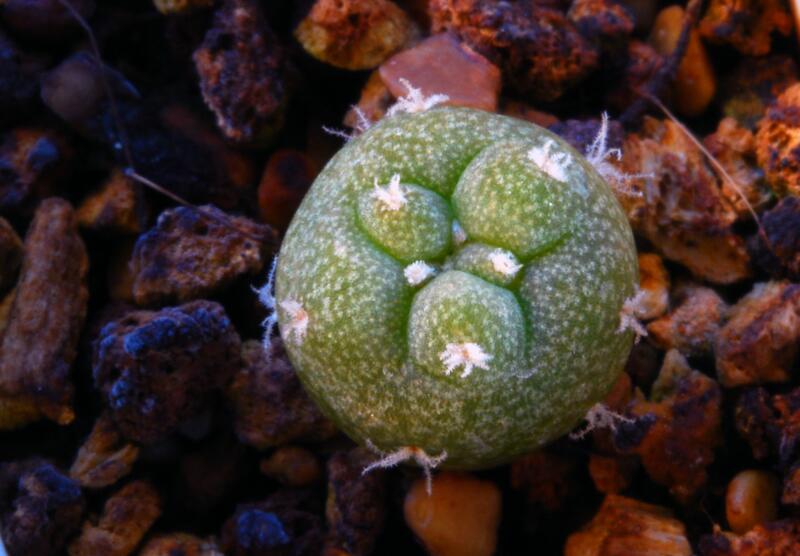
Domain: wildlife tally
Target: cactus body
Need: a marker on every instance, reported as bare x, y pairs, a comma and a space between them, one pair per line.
508, 337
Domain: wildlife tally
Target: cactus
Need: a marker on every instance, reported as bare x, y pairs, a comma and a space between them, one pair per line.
452, 288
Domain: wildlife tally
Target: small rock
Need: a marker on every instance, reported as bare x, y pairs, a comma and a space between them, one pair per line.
654, 282
292, 466
603, 19
287, 176
269, 404
777, 538
693, 323
241, 67
538, 49
625, 526
442, 65
156, 369
117, 207
10, 256
612, 474
759, 341
778, 143
354, 35
747, 26
104, 458
285, 524
40, 508
695, 84
192, 253
33, 163
459, 517
356, 507
180, 544
781, 224
45, 320
127, 516
169, 7
751, 499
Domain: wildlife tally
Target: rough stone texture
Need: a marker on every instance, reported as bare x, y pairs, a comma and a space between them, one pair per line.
10, 256
40, 509
539, 50
45, 320
778, 538
127, 515
754, 84
604, 19
734, 147
675, 433
356, 507
612, 474
32, 162
769, 424
624, 526
654, 282
779, 253
745, 24
292, 466
156, 369
692, 325
442, 65
685, 214
270, 406
180, 544
191, 253
241, 68
285, 524
104, 457
778, 143
354, 34
759, 340
117, 207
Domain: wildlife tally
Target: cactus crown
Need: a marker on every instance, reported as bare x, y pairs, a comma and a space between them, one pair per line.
452, 283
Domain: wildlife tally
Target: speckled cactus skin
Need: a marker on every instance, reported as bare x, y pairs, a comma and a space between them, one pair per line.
368, 345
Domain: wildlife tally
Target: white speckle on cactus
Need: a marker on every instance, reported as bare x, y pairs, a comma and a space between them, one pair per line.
551, 160
600, 416
459, 235
298, 320
407, 453
468, 354
417, 272
505, 263
415, 101
392, 196
628, 317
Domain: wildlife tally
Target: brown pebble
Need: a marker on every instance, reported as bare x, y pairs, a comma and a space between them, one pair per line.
751, 499
778, 143
169, 7
695, 84
292, 466
654, 282
180, 544
612, 474
44, 324
354, 34
118, 206
10, 256
459, 517
104, 458
287, 176
779, 255
441, 64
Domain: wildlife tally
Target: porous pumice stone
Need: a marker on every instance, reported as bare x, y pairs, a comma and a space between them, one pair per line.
509, 335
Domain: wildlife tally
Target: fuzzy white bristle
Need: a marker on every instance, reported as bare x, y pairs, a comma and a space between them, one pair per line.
550, 161
417, 272
407, 453
505, 263
467, 354
298, 319
392, 196
629, 315
415, 101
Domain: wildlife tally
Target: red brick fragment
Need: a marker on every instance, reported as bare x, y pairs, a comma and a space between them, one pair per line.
40, 341
441, 64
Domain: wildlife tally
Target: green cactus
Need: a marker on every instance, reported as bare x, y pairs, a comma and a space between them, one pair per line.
452, 286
